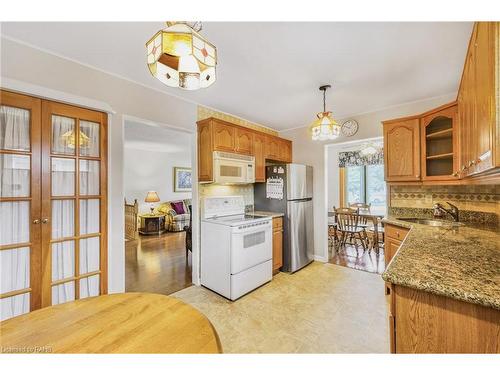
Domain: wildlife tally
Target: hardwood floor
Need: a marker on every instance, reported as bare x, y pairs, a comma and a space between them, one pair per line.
364, 261
157, 264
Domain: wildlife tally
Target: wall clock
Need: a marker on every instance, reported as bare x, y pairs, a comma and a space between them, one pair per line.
349, 128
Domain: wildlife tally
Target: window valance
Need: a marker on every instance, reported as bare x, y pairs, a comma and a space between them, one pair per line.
354, 158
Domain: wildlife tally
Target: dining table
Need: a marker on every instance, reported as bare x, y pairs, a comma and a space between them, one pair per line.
112, 323
375, 215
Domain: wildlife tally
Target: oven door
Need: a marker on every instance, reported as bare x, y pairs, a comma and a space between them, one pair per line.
251, 246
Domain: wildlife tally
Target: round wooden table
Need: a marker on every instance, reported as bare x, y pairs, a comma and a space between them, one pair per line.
114, 323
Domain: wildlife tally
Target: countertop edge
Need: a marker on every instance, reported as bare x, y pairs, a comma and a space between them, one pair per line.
450, 292
268, 213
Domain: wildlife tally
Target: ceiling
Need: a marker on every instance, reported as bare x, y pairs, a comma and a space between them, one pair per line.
148, 137
269, 73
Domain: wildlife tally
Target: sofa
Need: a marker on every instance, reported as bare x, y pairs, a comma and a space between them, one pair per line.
175, 221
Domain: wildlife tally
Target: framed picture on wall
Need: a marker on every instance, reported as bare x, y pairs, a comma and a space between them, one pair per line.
182, 179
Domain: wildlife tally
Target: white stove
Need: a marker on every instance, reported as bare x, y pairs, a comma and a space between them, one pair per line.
236, 248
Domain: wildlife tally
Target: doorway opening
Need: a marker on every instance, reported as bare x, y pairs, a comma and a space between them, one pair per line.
158, 205
355, 180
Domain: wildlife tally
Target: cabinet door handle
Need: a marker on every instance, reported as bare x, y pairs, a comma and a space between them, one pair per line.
36, 221
45, 220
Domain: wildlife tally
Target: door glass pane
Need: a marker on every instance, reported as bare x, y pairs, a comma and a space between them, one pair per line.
15, 222
63, 260
89, 216
89, 255
89, 138
354, 184
15, 305
89, 286
63, 177
63, 293
14, 128
63, 218
14, 175
63, 135
89, 177
375, 186
15, 269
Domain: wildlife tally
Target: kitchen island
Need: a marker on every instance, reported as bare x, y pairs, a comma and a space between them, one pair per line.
445, 289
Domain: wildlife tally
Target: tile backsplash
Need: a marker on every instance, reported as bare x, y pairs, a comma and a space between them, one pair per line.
213, 190
469, 198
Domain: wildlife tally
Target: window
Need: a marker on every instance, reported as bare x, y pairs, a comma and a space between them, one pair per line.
365, 184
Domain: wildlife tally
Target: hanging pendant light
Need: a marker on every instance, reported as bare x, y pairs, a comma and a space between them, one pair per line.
180, 57
69, 139
325, 127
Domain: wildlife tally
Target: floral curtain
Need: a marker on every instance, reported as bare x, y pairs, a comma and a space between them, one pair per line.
354, 158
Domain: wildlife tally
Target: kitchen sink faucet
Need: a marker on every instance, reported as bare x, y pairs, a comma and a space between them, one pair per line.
439, 210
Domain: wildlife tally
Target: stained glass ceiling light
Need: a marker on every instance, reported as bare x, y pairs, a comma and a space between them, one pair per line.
69, 139
180, 57
325, 127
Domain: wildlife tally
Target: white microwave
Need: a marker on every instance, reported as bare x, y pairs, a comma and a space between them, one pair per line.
232, 168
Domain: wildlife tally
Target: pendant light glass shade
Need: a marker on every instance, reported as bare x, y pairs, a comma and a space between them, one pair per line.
180, 57
325, 127
69, 138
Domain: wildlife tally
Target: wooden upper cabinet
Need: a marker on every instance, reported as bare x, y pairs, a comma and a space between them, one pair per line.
224, 137
259, 149
205, 152
485, 96
402, 150
440, 151
244, 141
273, 148
219, 135
285, 151
479, 127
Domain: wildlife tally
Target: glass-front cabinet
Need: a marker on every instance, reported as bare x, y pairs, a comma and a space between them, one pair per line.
439, 139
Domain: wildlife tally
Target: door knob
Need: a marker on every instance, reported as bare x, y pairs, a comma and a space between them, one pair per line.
36, 221
45, 221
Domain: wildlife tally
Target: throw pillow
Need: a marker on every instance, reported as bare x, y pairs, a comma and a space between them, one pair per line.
178, 207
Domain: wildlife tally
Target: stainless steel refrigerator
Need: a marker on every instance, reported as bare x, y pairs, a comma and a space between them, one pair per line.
289, 189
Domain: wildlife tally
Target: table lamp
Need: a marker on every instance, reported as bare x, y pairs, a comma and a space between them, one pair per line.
152, 197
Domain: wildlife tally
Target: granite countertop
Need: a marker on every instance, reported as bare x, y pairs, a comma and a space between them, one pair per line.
268, 213
458, 262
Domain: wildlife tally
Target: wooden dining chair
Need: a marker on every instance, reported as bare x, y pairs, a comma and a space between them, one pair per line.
360, 206
348, 228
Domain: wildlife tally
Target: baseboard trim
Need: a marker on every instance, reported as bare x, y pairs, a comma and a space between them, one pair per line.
319, 258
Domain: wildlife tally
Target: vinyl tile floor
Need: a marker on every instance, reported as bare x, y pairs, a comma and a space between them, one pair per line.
323, 308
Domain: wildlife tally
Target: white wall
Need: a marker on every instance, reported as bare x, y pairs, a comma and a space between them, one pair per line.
306, 151
26, 64
152, 170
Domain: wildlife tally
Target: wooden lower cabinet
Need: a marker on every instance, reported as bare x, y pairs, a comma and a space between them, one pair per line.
394, 236
277, 244
422, 322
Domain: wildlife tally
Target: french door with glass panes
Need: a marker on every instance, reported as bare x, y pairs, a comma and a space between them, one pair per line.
53, 181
